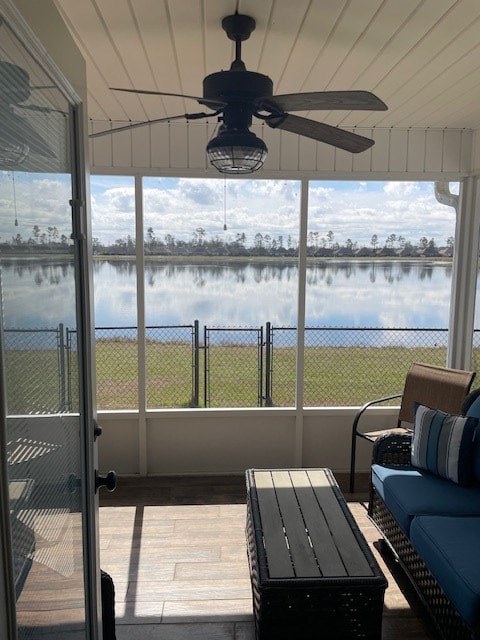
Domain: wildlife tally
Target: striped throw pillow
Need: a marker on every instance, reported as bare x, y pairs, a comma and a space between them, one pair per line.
443, 444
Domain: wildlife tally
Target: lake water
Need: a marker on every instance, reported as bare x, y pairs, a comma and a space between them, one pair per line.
340, 293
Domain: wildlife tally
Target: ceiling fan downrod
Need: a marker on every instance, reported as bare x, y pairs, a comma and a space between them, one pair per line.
238, 28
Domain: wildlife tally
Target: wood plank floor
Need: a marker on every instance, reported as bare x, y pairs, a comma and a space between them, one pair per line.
175, 548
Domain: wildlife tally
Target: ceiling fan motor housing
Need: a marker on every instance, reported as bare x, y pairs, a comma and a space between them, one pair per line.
240, 90
237, 85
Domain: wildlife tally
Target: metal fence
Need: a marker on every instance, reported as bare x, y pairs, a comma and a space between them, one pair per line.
35, 360
346, 366
231, 367
116, 355
233, 371
173, 366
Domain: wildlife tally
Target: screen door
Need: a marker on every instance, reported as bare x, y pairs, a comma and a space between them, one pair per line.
41, 330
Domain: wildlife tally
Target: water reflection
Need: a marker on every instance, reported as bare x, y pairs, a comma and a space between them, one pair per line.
353, 293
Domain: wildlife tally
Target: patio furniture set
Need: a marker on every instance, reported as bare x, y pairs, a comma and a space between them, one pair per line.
312, 572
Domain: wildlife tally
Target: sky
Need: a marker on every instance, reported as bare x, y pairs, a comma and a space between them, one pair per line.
352, 210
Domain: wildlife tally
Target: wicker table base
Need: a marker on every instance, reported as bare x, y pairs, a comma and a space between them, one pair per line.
313, 574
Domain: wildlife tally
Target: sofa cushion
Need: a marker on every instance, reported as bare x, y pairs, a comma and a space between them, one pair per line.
449, 546
471, 409
408, 492
443, 444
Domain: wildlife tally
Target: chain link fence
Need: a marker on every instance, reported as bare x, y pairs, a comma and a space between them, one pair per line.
233, 367
347, 366
71, 383
35, 360
476, 356
116, 354
173, 366
351, 366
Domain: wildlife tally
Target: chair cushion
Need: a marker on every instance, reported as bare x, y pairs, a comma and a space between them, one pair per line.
443, 444
408, 492
449, 547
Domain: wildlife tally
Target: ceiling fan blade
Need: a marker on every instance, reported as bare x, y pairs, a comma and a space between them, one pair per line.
136, 125
215, 104
319, 131
328, 100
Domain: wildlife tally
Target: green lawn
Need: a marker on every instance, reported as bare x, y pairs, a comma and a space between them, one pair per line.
334, 376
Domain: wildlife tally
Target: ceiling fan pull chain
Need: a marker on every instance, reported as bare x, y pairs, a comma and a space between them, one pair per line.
14, 198
225, 202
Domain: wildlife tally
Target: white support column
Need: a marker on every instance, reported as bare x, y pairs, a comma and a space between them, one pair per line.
302, 263
142, 378
465, 268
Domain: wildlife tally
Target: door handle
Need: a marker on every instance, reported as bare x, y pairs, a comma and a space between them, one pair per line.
109, 481
97, 430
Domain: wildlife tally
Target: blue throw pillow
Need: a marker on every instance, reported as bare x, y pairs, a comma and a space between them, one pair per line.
443, 444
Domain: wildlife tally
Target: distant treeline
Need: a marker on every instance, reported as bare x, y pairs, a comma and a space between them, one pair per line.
262, 245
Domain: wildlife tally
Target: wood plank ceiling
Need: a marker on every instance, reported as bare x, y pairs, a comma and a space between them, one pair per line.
422, 57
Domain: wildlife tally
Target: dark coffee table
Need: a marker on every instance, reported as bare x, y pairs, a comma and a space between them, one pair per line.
313, 574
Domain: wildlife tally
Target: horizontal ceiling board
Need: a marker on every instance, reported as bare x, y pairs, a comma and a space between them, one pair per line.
458, 117
155, 29
421, 64
316, 27
280, 39
400, 43
342, 38
456, 66
187, 20
101, 59
457, 83
133, 57
378, 33
219, 50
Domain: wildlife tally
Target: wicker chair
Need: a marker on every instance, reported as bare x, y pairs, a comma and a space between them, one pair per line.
437, 387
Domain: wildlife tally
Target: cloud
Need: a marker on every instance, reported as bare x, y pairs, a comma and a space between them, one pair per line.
178, 206
398, 189
401, 208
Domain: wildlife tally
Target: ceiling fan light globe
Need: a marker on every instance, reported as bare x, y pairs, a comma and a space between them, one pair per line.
236, 152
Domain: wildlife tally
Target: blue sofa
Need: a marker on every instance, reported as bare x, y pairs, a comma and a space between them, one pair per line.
433, 526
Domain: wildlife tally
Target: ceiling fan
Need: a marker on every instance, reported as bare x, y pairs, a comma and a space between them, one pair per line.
238, 95
18, 138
